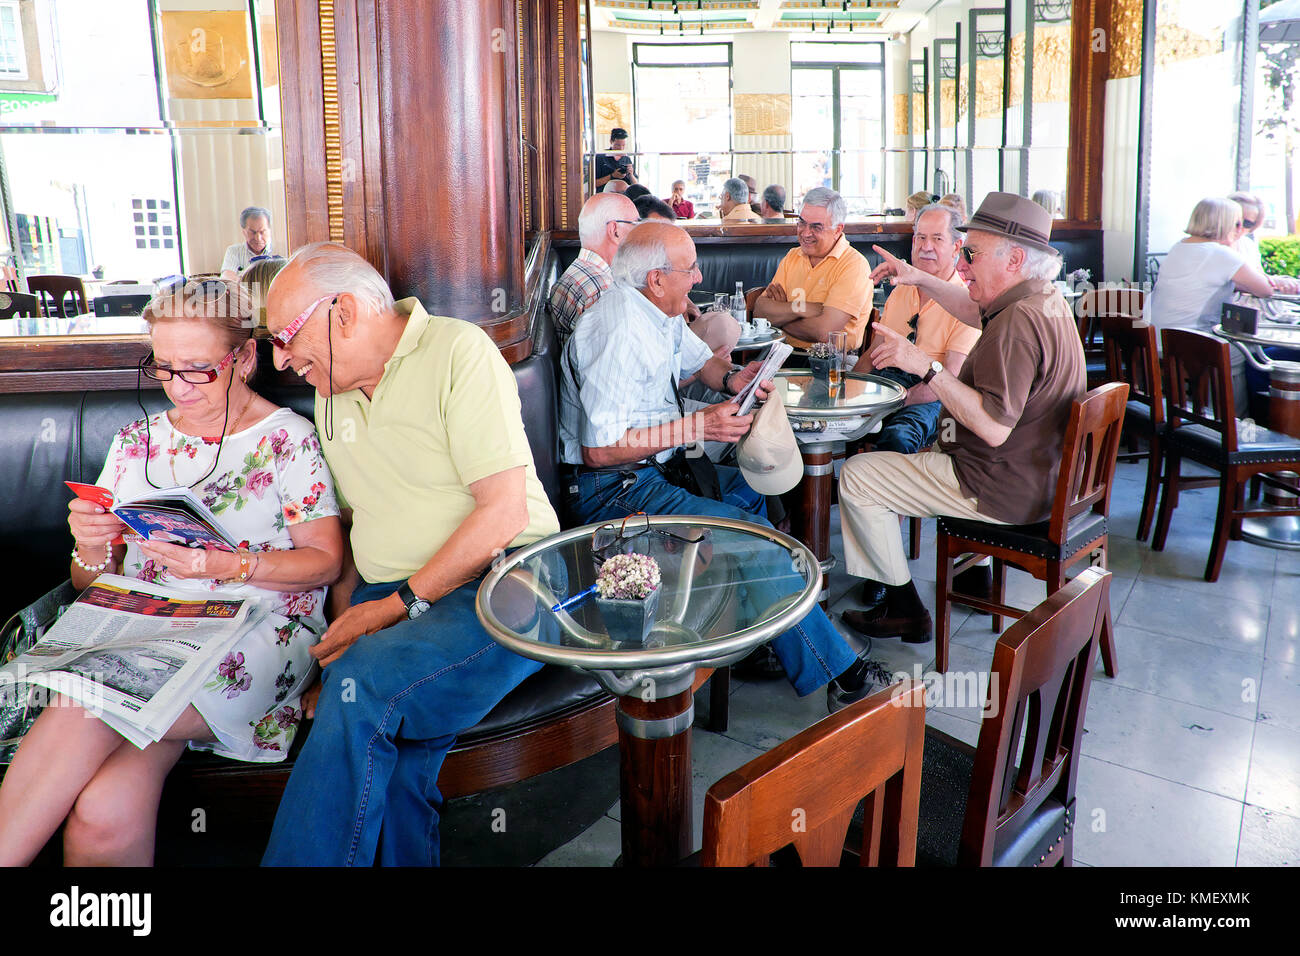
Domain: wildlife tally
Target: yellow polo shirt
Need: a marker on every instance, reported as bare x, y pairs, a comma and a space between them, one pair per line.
444, 414
742, 212
842, 281
937, 331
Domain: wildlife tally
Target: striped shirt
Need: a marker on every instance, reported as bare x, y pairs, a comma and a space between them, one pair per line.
616, 373
585, 281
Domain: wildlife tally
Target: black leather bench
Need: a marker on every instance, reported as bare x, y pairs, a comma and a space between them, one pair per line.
554, 718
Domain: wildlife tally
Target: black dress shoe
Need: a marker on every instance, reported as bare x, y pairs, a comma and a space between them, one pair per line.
872, 594
913, 628
977, 582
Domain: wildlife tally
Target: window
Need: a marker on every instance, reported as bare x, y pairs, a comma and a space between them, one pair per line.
13, 58
838, 93
152, 219
682, 106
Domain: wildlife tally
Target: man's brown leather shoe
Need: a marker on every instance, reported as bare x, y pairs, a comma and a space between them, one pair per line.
880, 622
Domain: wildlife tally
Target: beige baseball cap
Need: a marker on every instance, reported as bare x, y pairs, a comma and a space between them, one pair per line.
769, 455
716, 329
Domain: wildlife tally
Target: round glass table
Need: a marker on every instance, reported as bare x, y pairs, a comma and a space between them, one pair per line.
1281, 531
726, 587
822, 417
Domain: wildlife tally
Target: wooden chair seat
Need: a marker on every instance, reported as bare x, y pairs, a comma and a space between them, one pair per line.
1077, 529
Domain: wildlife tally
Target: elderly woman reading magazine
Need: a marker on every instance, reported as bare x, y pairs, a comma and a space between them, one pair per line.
259, 469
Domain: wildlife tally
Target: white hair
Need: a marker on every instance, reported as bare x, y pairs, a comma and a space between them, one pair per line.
830, 200
955, 218
593, 220
634, 260
737, 189
1039, 264
328, 268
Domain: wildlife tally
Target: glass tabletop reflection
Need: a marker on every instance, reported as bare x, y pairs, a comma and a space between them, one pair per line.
725, 587
861, 395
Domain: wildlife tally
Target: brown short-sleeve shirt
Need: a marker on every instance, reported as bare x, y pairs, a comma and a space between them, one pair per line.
1028, 368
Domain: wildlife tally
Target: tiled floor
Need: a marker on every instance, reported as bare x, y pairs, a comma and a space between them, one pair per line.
1192, 753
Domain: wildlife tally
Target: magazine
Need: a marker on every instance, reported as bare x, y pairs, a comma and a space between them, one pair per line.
134, 654
175, 515
772, 361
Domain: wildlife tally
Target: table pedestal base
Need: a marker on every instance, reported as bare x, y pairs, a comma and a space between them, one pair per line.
1282, 532
654, 742
811, 524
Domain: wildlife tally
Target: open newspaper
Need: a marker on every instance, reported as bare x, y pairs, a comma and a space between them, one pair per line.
134, 654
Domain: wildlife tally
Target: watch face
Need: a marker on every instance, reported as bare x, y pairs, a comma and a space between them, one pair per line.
418, 608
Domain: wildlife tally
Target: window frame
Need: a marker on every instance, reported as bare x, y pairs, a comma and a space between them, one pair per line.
25, 74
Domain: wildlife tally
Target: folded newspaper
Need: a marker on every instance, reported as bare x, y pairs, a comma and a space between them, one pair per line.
134, 654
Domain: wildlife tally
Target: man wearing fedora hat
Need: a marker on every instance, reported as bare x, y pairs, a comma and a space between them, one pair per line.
1009, 405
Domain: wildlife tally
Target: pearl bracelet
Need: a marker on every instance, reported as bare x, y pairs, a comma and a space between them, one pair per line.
94, 568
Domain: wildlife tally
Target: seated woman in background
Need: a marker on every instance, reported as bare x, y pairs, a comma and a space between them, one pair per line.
916, 202
259, 468
1200, 274
1252, 217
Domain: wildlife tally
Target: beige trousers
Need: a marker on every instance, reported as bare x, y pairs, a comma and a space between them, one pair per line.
877, 487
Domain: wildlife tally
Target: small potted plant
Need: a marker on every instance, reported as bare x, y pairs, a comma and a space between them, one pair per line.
627, 593
820, 358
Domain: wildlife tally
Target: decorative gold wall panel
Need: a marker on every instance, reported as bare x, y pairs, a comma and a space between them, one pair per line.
333, 125
1051, 65
762, 114
900, 114
1125, 39
207, 54
988, 88
612, 109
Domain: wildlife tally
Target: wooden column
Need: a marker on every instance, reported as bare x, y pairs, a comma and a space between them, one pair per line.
402, 141
1090, 59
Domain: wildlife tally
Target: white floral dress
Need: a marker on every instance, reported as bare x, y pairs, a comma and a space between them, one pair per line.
271, 476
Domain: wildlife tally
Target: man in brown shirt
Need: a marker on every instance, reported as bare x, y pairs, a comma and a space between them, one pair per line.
997, 459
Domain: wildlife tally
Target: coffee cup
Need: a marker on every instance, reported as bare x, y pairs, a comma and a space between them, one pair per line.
761, 326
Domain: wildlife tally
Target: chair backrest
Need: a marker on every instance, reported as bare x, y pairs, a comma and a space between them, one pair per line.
1198, 383
804, 792
1088, 456
53, 290
19, 303
1028, 746
1132, 358
1096, 303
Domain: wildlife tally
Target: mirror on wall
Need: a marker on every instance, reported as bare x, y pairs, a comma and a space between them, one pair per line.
876, 102
130, 144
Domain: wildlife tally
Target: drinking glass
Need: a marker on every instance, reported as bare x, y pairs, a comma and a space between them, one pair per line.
839, 343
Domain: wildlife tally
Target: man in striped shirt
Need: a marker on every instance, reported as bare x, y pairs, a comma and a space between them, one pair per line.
604, 221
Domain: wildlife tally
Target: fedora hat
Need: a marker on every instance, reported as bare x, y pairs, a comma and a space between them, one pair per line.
1013, 217
769, 456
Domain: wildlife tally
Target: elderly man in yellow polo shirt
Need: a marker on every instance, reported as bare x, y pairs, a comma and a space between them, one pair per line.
823, 285
420, 423
912, 313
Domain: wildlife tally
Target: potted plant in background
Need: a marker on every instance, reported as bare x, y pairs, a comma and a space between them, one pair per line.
627, 593
820, 357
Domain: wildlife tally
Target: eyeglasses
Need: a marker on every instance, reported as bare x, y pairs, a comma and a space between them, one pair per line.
969, 254
610, 539
195, 376
282, 338
816, 228
629, 222
911, 324
693, 268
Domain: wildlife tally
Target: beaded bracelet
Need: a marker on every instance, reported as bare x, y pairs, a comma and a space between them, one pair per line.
94, 568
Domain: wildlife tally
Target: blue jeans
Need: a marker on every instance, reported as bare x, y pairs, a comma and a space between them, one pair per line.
909, 429
812, 652
365, 784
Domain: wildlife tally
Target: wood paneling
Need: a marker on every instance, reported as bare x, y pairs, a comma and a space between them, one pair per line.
1090, 47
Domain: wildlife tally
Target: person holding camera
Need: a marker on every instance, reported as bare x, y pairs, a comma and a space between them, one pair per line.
615, 165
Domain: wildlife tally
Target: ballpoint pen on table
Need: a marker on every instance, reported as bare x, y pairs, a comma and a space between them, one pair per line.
576, 599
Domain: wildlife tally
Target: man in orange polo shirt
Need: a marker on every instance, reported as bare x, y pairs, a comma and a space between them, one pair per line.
824, 285
913, 314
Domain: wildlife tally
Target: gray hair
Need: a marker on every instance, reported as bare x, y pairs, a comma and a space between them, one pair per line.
635, 260
955, 218
736, 189
774, 196
329, 267
254, 212
830, 200
1039, 264
1047, 199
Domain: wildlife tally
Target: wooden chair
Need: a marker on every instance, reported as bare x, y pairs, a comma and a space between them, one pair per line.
1076, 529
1089, 309
54, 290
1131, 357
1010, 801
1201, 426
804, 791
19, 303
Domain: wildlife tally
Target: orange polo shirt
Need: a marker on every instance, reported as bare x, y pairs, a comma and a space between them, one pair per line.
937, 332
842, 281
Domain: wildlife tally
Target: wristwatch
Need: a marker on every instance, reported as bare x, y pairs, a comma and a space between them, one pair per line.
935, 368
415, 605
726, 379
